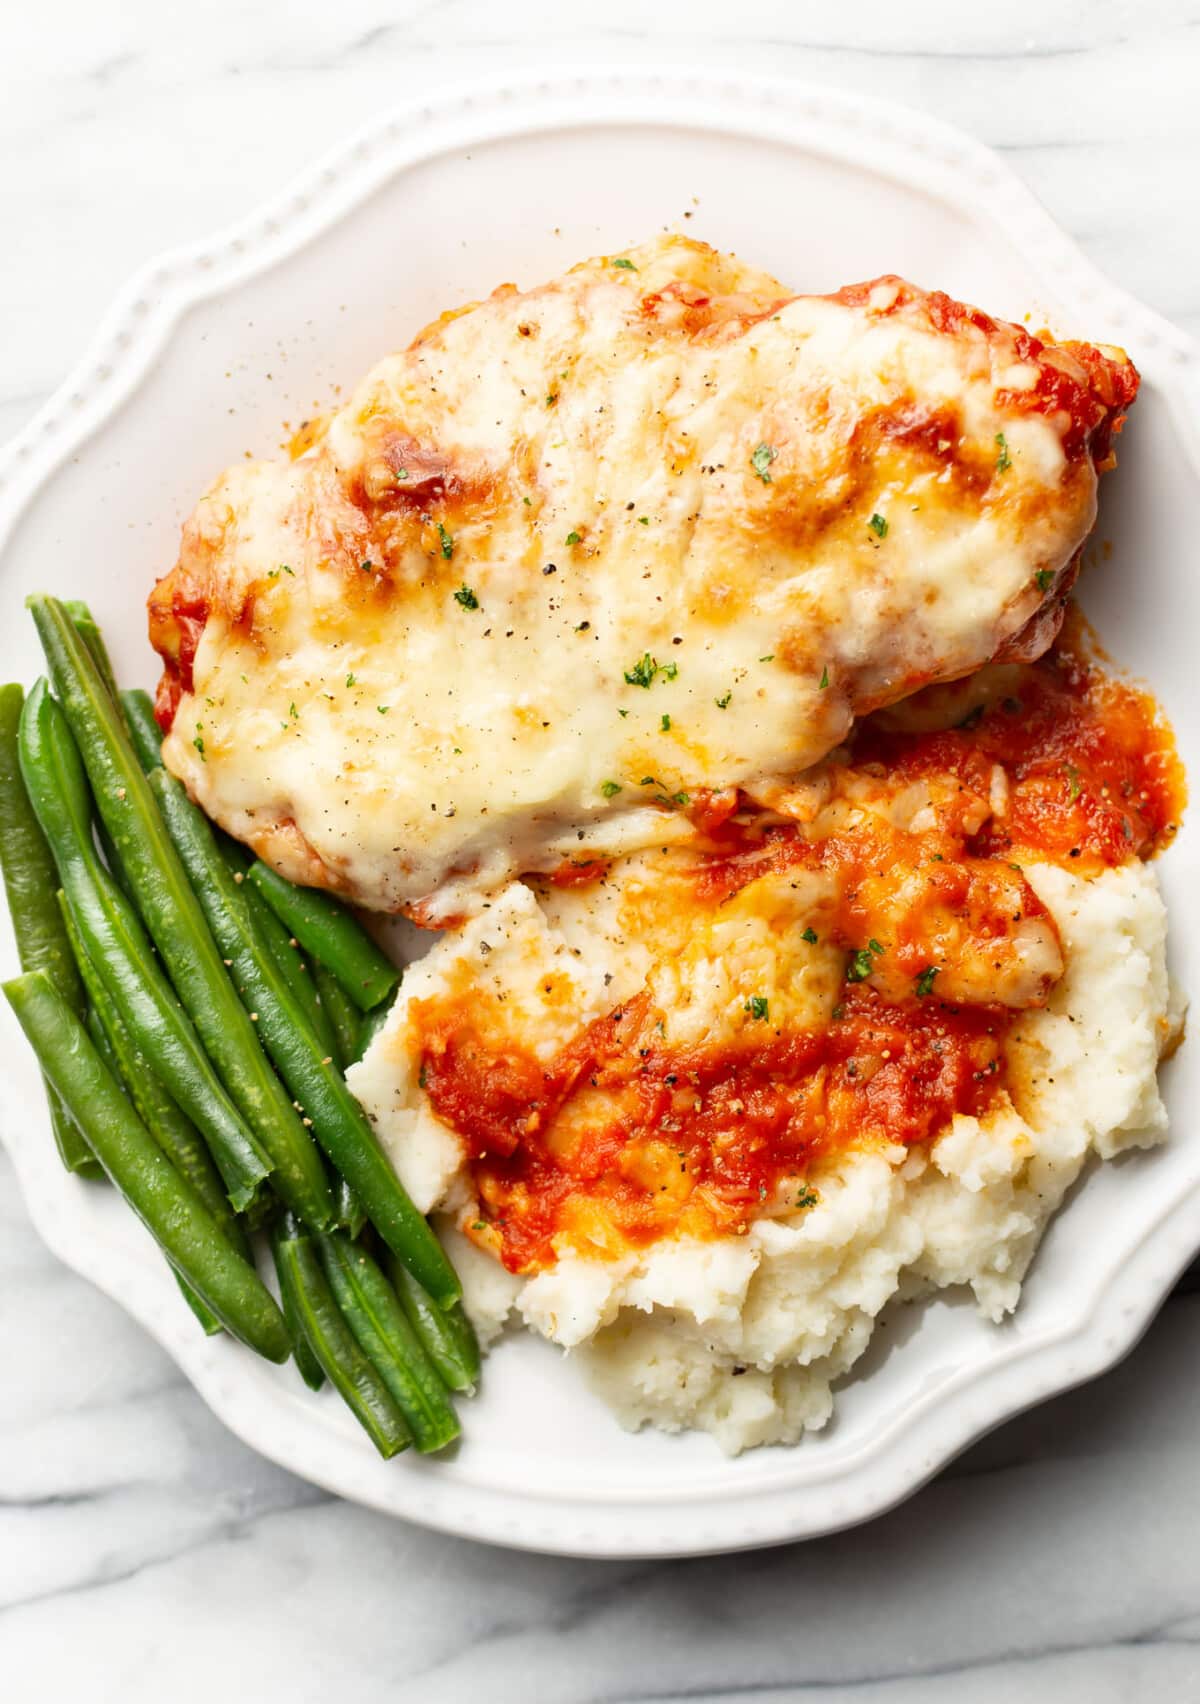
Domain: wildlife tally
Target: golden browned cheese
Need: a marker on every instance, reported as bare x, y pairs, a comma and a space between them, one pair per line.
582, 556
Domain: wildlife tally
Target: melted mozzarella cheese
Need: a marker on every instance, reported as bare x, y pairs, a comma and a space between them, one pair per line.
581, 554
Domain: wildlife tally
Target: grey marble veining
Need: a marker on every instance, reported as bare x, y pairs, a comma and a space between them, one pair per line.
143, 1551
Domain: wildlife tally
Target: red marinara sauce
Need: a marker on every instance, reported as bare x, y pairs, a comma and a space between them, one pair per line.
1091, 773
694, 1141
621, 1139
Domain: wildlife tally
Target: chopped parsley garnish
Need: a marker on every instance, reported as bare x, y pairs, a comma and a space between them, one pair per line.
860, 967
1003, 459
824, 680
466, 597
665, 724
1044, 578
807, 1197
878, 525
722, 703
874, 946
350, 679
643, 671
383, 709
670, 670
838, 1012
572, 537
199, 743
447, 541
293, 712
643, 520
925, 980
367, 567
1076, 786
625, 265
810, 935
610, 789
761, 461
758, 1007
769, 658
682, 799
551, 399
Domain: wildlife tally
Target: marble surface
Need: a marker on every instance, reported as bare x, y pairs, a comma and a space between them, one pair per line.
143, 1551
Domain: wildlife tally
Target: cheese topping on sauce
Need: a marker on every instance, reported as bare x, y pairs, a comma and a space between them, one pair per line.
581, 558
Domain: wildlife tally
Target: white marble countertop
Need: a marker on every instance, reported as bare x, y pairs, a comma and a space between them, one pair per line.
143, 1551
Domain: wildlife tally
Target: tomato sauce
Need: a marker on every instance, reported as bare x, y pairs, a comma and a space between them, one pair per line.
697, 1140
182, 626
622, 1138
1092, 775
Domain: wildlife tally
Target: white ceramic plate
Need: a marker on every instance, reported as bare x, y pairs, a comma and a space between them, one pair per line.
211, 350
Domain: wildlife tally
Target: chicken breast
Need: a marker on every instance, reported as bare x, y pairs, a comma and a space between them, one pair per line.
583, 557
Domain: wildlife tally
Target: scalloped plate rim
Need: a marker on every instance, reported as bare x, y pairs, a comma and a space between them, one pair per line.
131, 337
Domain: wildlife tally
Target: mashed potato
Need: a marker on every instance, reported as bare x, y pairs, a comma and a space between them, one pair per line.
745, 1336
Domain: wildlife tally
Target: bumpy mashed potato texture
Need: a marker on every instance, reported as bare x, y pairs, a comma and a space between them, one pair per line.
745, 1335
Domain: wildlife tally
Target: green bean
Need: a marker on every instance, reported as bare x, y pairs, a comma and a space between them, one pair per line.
144, 731
29, 867
69, 1140
342, 1013
112, 860
92, 637
286, 955
176, 1135
331, 936
351, 1214
338, 1121
102, 1042
117, 945
371, 1026
29, 882
208, 1321
173, 916
166, 1203
334, 1015
345, 1020
307, 1365
369, 1306
333, 1343
285, 950
446, 1334
85, 626
147, 743
89, 632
